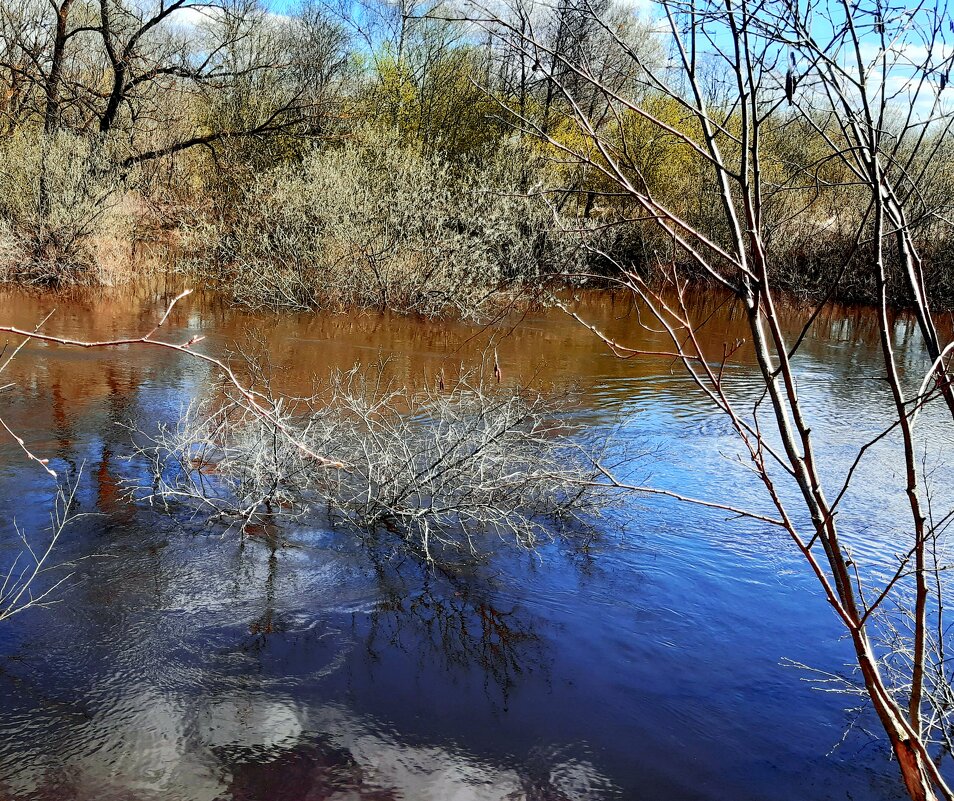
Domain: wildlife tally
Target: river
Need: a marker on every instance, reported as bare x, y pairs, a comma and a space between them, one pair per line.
180, 663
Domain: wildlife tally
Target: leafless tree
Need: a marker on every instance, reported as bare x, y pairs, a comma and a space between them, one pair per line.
870, 78
729, 75
55, 56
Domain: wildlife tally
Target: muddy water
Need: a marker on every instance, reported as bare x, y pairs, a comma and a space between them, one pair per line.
181, 664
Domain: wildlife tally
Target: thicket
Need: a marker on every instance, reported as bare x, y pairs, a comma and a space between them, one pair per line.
383, 155
376, 222
58, 209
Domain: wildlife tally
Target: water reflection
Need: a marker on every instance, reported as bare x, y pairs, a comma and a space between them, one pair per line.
547, 345
219, 703
447, 622
297, 663
355, 759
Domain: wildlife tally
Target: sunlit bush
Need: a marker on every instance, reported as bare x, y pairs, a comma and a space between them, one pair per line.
379, 224
58, 195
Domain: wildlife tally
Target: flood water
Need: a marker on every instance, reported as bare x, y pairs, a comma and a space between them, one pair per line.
181, 663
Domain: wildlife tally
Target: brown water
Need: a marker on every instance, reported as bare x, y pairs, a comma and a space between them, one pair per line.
181, 664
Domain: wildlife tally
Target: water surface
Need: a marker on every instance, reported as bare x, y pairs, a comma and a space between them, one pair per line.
183, 664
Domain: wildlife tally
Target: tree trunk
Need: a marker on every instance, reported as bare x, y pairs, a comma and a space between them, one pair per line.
51, 121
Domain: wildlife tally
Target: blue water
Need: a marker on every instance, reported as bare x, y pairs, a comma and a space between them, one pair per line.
180, 663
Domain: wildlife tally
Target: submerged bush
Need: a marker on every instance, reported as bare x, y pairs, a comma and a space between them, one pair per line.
58, 195
443, 468
379, 224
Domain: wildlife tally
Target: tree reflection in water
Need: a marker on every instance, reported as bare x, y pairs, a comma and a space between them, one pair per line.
451, 621
445, 619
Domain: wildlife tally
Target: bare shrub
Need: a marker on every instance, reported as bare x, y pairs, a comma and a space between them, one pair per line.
444, 468
57, 196
380, 224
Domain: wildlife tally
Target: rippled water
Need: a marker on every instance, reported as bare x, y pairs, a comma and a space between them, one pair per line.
182, 664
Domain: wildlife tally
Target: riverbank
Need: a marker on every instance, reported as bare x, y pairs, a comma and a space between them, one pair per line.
381, 223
